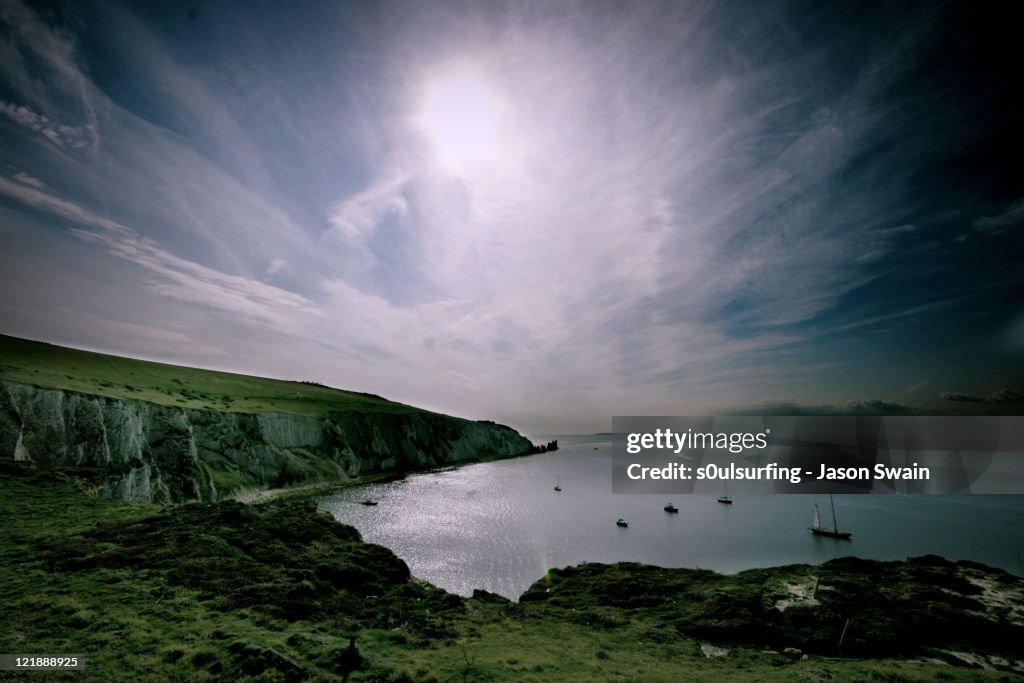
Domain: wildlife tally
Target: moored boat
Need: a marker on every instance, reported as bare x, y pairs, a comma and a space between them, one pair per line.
834, 532
725, 499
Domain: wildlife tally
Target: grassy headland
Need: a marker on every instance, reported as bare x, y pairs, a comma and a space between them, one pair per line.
58, 367
162, 433
273, 592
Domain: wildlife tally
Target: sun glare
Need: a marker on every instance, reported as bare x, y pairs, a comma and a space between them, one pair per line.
460, 116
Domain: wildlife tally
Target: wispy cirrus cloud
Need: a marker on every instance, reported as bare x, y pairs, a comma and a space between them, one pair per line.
40, 63
915, 387
683, 204
26, 179
172, 276
358, 216
58, 133
1000, 223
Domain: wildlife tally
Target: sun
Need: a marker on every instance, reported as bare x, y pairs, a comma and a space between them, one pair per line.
460, 116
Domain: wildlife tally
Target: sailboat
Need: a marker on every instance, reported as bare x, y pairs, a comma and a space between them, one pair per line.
834, 532
725, 499
558, 484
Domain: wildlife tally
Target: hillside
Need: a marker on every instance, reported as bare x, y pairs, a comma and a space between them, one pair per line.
57, 367
150, 432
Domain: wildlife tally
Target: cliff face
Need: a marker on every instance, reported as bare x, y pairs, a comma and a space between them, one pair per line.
154, 453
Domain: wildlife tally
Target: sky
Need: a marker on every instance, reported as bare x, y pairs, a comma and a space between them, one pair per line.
541, 213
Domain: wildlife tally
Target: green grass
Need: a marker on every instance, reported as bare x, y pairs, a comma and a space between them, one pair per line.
271, 593
57, 367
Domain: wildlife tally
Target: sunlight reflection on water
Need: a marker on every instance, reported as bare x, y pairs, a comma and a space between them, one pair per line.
500, 525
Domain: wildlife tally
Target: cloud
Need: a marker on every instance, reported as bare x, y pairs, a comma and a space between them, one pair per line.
853, 407
196, 284
175, 277
878, 407
1001, 223
59, 134
915, 387
1005, 395
897, 230
32, 194
31, 181
356, 218
961, 396
39, 62
278, 265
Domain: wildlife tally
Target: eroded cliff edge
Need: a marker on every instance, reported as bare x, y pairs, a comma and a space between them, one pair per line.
146, 452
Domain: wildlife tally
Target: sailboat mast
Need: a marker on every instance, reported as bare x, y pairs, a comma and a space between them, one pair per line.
835, 525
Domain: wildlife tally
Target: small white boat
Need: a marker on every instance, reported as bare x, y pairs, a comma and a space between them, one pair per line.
834, 532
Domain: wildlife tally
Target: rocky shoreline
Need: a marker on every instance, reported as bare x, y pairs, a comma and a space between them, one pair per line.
847, 607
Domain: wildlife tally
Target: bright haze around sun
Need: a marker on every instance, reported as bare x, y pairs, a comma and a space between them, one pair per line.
540, 213
461, 116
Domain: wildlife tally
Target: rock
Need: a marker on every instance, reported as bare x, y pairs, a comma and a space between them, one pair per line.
875, 608
709, 651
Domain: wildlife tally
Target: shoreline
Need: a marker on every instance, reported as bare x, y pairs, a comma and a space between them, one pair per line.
259, 496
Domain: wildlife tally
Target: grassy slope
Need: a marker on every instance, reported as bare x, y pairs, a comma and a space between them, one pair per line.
57, 367
271, 592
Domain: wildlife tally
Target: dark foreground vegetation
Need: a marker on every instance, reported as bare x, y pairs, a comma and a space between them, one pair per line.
277, 591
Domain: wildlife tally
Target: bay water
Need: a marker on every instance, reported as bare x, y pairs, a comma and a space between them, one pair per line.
499, 526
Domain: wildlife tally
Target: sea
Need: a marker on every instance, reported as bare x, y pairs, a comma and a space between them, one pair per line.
501, 525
